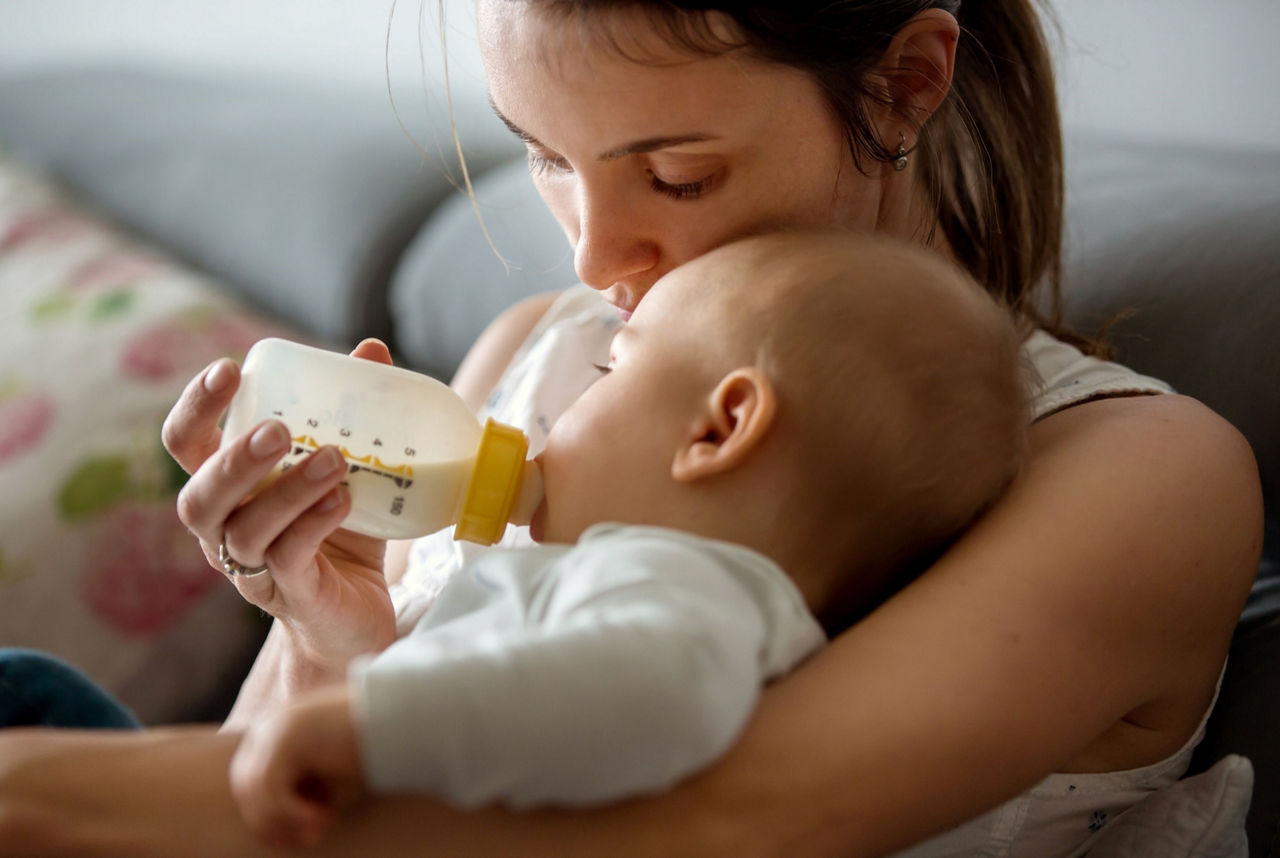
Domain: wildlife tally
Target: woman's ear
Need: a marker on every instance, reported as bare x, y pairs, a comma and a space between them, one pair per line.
736, 417
917, 68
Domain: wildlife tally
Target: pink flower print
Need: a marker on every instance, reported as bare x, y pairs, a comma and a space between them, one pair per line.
144, 571
111, 269
236, 333
49, 226
181, 346
24, 420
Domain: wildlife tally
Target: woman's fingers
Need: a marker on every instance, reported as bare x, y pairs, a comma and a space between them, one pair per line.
297, 543
190, 431
372, 349
229, 475
252, 527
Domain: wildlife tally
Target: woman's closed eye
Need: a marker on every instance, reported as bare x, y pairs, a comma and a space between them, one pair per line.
683, 190
541, 164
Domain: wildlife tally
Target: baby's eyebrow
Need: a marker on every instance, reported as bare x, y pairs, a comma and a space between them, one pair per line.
637, 147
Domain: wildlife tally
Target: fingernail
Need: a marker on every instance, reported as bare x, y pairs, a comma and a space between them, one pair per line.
332, 500
323, 464
218, 376
268, 439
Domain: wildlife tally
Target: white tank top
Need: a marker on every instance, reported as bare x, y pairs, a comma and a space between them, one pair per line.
1058, 816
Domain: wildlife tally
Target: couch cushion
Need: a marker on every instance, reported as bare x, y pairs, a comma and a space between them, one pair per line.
1186, 238
98, 336
301, 197
452, 281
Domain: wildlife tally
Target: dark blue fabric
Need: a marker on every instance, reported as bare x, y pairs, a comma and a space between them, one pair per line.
38, 690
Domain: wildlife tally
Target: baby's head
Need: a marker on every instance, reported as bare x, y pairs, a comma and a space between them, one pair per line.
843, 404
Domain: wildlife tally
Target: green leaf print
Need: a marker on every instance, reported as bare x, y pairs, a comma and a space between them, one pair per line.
176, 477
51, 308
111, 304
94, 486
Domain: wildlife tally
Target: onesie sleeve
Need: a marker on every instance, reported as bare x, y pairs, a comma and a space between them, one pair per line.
633, 669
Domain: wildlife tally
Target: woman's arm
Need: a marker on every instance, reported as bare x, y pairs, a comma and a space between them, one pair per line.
1105, 584
166, 792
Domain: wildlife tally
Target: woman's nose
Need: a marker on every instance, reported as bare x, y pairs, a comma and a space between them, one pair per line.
613, 245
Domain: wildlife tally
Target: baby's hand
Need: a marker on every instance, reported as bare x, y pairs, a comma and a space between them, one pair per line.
295, 770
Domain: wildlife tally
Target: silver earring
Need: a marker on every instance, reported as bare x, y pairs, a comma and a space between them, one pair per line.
900, 163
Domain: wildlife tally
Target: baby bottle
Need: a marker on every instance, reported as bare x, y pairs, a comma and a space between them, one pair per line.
417, 458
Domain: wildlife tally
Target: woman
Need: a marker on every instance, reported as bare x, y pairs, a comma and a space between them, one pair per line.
1080, 627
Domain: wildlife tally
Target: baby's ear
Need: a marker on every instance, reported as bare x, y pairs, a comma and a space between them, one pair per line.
735, 418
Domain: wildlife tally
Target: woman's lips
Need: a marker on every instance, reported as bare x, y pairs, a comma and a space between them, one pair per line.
624, 309
623, 301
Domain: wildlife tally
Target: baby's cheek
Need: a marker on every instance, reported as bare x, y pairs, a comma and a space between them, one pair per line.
568, 433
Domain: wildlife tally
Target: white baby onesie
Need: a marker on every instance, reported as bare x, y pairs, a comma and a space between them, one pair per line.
580, 674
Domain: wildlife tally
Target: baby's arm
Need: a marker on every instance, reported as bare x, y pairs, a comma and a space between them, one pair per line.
630, 673
295, 769
635, 669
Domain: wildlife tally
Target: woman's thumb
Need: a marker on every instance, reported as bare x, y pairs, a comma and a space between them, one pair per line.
372, 349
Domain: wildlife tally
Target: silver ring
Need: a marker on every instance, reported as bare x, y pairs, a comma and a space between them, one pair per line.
234, 568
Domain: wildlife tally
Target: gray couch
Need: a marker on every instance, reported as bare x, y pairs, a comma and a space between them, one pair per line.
314, 208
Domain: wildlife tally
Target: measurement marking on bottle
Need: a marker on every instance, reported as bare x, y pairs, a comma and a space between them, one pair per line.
401, 475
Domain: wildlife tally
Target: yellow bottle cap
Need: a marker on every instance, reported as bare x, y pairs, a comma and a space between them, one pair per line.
495, 484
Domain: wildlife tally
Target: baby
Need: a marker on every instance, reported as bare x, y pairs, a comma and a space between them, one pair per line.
789, 427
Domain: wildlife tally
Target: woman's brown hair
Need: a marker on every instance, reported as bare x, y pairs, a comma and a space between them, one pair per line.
991, 155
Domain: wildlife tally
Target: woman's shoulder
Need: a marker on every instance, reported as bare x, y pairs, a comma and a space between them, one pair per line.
1061, 376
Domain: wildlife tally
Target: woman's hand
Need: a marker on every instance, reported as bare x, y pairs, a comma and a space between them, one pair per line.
325, 585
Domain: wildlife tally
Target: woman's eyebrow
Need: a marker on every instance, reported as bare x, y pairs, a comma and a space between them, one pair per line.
638, 147
652, 144
525, 136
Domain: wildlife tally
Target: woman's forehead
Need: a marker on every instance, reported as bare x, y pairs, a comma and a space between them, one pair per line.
551, 81
545, 31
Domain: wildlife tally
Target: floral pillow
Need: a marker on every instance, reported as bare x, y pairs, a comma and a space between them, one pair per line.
98, 336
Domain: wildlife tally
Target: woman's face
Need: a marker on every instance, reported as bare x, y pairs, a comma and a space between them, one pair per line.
648, 165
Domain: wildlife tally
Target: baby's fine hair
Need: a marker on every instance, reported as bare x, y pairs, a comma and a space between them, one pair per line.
902, 395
